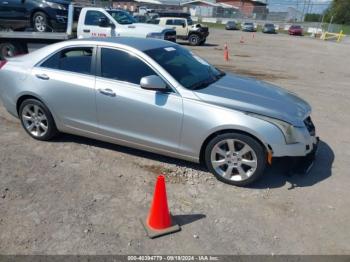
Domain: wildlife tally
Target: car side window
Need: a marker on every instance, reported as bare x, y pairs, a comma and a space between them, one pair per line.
169, 22
77, 59
122, 66
92, 17
179, 22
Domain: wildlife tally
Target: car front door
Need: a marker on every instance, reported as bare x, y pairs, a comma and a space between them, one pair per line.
91, 27
66, 83
129, 113
12, 10
181, 26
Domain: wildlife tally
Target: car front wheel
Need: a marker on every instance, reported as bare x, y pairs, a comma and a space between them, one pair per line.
40, 22
37, 120
235, 158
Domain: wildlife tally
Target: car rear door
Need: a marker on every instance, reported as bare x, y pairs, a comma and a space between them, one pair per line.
127, 112
66, 82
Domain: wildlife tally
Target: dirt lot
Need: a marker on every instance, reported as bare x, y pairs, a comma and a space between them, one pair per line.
80, 196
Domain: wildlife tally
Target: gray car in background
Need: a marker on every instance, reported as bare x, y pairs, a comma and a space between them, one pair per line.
248, 27
157, 96
231, 25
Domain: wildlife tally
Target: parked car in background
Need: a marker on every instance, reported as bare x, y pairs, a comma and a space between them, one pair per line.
157, 96
231, 25
195, 34
41, 15
295, 30
248, 27
269, 29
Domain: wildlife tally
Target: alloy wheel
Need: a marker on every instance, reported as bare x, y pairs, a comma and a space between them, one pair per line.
40, 23
35, 120
233, 160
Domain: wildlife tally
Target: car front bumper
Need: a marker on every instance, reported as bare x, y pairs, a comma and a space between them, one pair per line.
303, 165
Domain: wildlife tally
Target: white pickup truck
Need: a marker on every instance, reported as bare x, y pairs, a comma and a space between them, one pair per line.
92, 22
99, 22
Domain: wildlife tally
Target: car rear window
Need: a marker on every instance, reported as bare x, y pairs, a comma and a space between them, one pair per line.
77, 60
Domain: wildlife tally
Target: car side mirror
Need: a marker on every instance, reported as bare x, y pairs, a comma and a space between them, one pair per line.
153, 82
103, 22
183, 25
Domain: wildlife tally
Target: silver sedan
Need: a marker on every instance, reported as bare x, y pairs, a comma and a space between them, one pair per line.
157, 96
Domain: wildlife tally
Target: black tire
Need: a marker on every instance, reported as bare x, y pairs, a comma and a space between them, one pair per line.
8, 50
203, 41
260, 158
50, 123
194, 39
40, 22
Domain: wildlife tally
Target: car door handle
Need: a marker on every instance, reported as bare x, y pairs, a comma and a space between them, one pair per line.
42, 76
107, 92
86, 30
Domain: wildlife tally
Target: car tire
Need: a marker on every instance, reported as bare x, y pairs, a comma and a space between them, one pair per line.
37, 120
40, 22
194, 39
203, 41
235, 158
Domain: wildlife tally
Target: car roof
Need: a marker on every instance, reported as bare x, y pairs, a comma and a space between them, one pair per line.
141, 44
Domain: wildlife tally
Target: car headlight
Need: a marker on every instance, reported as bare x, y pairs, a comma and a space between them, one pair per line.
287, 129
56, 6
155, 35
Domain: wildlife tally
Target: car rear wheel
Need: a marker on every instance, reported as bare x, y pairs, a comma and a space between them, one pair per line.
40, 22
194, 39
37, 120
235, 158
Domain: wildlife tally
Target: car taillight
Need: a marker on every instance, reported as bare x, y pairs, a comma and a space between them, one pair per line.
2, 63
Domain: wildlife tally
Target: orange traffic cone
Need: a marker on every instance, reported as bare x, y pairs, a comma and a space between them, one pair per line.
241, 40
225, 52
159, 221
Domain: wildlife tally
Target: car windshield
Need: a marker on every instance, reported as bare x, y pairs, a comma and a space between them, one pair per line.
122, 17
269, 25
188, 69
248, 24
296, 27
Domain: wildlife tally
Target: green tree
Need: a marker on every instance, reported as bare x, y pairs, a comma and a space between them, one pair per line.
340, 10
313, 17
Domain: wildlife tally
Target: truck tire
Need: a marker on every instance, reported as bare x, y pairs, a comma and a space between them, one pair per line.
194, 39
8, 50
40, 22
203, 41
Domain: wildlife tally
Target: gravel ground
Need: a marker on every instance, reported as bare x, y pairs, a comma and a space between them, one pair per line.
80, 196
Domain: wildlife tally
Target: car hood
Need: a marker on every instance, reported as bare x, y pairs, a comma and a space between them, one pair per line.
148, 27
250, 95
